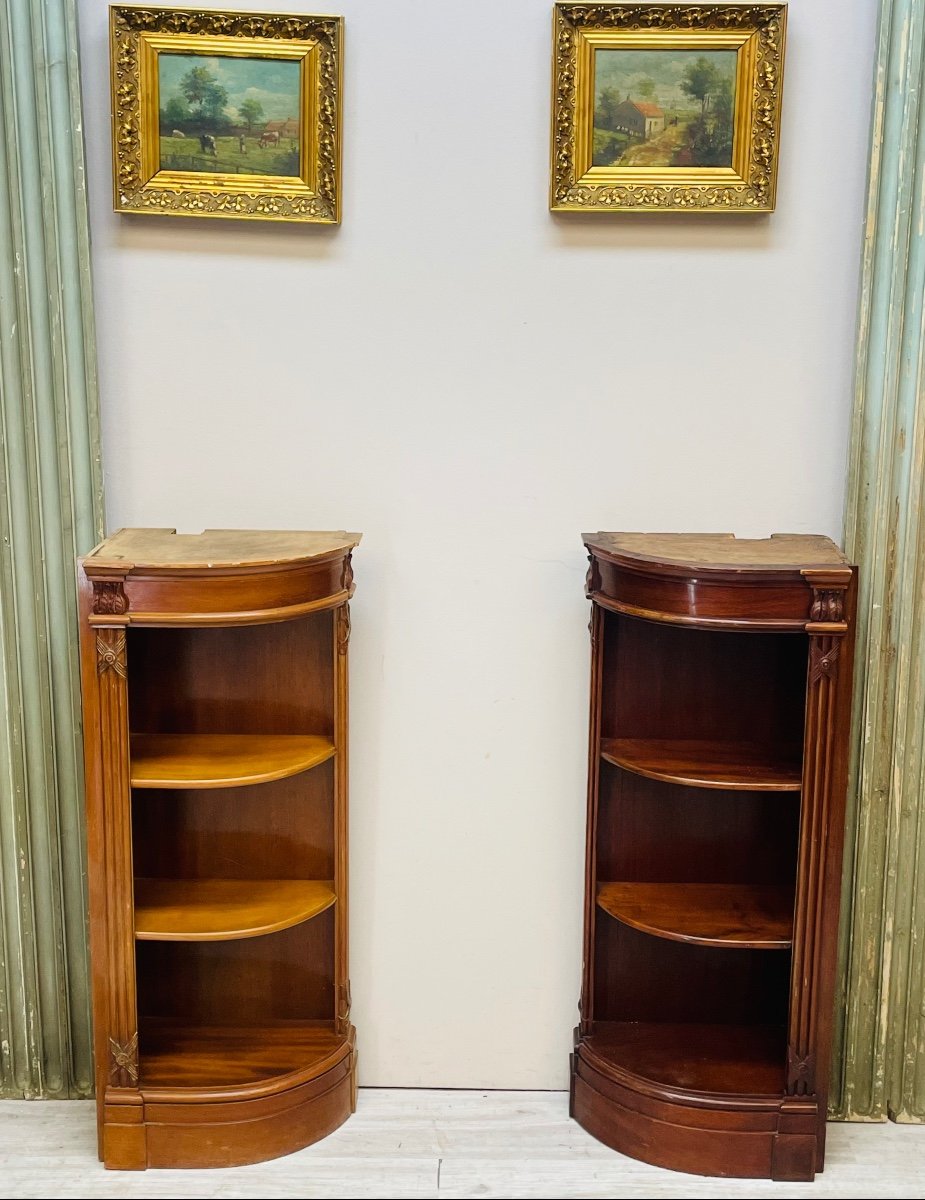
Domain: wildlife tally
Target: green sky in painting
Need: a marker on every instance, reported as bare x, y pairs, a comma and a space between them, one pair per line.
273, 82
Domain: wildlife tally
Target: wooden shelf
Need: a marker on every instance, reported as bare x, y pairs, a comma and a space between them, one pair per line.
740, 766
221, 910
732, 915
743, 1060
222, 760
178, 1056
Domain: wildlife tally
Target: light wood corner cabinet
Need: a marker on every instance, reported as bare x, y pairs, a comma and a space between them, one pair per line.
721, 677
214, 672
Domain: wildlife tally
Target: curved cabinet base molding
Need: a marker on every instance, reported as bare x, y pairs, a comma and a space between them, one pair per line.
747, 1138
210, 1130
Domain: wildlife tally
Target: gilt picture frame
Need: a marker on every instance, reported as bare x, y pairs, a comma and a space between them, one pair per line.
666, 107
226, 114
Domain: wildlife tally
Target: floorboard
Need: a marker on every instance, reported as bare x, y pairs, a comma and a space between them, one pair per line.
409, 1144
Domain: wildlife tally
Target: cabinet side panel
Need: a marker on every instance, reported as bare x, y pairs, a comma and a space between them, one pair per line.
597, 626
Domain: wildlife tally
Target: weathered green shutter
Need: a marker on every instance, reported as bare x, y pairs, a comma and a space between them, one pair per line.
50, 508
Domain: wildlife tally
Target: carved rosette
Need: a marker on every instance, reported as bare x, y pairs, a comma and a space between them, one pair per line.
123, 1063
343, 628
135, 193
755, 192
110, 651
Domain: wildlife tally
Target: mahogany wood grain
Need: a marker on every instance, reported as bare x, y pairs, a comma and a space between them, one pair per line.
720, 704
735, 915
219, 760
649, 830
707, 764
272, 679
661, 682
742, 1060
223, 910
285, 976
235, 1059
222, 833
278, 830
640, 977
191, 1133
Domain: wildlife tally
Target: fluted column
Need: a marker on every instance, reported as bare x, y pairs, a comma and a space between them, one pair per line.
880, 1043
50, 508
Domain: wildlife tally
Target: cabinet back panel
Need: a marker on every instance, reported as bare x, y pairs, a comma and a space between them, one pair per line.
279, 830
276, 678
655, 832
661, 681
643, 978
285, 976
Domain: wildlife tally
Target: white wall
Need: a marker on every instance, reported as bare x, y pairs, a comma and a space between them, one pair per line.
473, 382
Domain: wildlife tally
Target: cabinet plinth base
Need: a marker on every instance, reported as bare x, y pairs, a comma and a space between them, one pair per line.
747, 1137
215, 1131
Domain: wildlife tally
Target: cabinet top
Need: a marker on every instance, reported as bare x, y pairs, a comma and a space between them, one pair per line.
164, 549
719, 551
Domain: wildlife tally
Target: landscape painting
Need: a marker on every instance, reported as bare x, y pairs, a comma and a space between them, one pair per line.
229, 114
664, 108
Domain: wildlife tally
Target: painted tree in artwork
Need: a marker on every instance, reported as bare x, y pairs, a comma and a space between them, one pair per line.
646, 88
202, 89
699, 81
250, 112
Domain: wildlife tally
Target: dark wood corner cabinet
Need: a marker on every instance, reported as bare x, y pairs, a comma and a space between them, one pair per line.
720, 709
214, 672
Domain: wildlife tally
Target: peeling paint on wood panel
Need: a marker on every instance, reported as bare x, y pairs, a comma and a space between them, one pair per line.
878, 1068
50, 508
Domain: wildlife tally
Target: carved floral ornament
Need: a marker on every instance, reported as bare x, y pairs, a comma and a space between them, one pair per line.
140, 186
757, 30
109, 598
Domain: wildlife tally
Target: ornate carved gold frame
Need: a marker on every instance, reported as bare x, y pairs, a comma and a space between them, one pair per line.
756, 31
138, 35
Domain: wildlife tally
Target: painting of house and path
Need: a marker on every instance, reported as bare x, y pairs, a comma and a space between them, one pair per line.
664, 108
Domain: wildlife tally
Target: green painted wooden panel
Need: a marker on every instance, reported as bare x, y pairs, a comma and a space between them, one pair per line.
880, 1047
50, 509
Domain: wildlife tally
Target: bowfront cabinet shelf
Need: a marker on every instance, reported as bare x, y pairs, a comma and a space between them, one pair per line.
720, 705
214, 672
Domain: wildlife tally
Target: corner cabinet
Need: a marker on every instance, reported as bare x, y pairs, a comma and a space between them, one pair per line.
720, 707
214, 671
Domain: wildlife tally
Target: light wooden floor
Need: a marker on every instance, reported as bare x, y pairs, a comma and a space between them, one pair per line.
412, 1144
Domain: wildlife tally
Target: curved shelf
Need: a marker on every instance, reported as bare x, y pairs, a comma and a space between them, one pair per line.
222, 910
706, 1060
236, 1061
740, 766
222, 760
735, 916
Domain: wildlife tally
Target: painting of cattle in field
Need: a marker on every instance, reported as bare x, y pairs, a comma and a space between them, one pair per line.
229, 114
